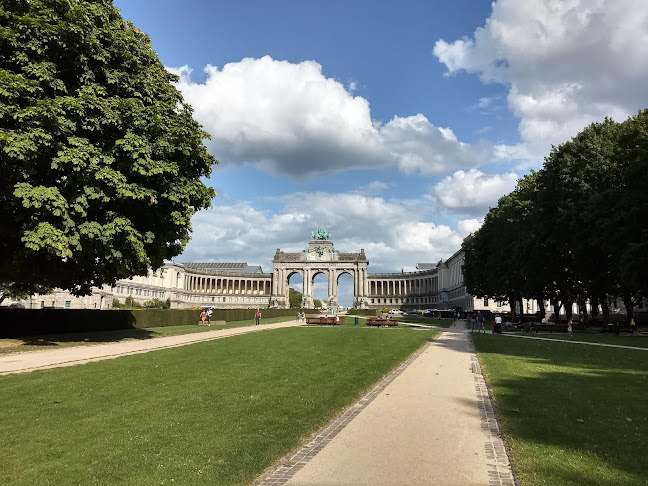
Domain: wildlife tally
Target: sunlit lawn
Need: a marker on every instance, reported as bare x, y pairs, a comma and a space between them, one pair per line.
573, 414
55, 341
595, 336
217, 412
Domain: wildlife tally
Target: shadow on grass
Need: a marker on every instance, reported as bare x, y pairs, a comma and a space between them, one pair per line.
572, 414
88, 337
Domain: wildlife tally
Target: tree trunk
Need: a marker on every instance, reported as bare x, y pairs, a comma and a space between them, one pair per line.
606, 312
569, 312
521, 302
541, 307
556, 305
582, 306
629, 303
594, 303
512, 300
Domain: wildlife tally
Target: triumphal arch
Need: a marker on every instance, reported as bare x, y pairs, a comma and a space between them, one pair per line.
320, 256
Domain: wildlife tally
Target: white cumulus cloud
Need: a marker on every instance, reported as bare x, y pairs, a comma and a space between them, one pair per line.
289, 119
566, 63
473, 190
390, 232
467, 226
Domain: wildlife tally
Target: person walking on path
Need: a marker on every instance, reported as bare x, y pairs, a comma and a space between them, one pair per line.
203, 316
209, 314
480, 322
257, 317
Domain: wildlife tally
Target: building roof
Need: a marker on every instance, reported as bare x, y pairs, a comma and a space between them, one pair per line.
426, 266
223, 267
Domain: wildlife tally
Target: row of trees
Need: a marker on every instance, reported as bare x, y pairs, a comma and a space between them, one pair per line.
130, 303
575, 231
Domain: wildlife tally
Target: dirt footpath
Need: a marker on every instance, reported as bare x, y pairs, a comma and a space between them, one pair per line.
55, 358
433, 424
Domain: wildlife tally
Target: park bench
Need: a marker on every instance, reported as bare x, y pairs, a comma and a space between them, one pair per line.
322, 320
617, 327
381, 321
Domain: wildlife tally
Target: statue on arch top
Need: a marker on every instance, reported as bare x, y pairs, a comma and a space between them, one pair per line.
320, 234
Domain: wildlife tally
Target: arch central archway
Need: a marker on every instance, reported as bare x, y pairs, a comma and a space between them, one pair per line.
320, 256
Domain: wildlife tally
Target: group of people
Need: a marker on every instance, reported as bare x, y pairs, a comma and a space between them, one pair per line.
205, 315
301, 316
476, 322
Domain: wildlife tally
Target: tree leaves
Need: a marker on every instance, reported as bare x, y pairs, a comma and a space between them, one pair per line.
575, 230
101, 159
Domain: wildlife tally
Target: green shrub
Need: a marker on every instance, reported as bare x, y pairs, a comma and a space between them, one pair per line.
30, 322
362, 312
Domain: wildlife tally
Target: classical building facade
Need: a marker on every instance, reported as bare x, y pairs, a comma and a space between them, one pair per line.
238, 285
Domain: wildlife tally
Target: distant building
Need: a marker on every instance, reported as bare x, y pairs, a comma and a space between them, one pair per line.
239, 285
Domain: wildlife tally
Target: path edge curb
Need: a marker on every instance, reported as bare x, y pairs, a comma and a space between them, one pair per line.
487, 407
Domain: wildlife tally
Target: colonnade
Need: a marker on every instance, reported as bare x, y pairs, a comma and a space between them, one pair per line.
386, 287
227, 285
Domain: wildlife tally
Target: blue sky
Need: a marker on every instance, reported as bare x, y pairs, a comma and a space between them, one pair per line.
395, 126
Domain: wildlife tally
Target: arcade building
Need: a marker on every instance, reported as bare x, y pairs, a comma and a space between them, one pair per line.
239, 285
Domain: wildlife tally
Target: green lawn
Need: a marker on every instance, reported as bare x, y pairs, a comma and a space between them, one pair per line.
403, 319
64, 340
430, 321
637, 340
573, 414
217, 412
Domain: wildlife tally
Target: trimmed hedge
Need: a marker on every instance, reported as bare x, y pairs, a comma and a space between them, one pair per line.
30, 322
362, 312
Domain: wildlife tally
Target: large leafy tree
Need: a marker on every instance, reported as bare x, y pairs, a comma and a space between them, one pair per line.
576, 230
295, 298
495, 255
101, 160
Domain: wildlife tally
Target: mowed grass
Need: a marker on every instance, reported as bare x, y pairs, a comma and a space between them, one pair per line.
572, 414
66, 340
428, 321
636, 340
403, 320
217, 412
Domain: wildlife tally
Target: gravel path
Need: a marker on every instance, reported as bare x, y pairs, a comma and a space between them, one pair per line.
55, 358
430, 422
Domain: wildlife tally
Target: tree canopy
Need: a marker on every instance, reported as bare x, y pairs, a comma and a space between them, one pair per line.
576, 230
101, 158
294, 298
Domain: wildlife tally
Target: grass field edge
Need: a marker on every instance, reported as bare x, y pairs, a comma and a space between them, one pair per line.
478, 369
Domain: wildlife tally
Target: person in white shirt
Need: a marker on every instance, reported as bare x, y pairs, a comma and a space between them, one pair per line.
498, 324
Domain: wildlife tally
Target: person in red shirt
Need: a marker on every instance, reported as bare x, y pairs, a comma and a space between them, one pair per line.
257, 317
